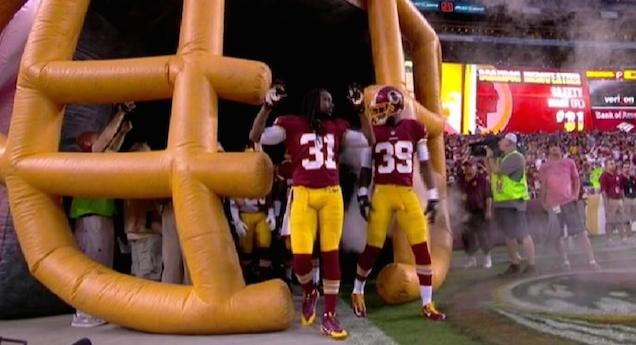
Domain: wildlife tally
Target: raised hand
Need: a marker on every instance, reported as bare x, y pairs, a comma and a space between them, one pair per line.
275, 94
355, 96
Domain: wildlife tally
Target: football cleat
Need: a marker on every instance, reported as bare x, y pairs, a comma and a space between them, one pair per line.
430, 312
331, 327
309, 308
358, 305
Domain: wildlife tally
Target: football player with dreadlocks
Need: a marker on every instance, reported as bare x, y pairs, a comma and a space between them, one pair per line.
314, 141
398, 140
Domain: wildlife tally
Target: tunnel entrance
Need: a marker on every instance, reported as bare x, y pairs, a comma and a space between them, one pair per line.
306, 43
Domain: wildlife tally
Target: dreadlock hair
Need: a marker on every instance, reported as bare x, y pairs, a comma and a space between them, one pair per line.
310, 107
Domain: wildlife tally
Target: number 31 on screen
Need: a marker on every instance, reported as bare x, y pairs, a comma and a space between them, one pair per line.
571, 120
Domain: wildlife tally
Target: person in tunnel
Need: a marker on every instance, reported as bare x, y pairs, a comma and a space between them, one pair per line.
94, 228
254, 220
398, 141
142, 224
314, 140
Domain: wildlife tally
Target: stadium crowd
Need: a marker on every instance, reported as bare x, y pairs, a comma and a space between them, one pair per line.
589, 150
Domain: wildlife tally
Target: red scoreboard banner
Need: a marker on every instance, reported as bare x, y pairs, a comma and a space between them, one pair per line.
529, 100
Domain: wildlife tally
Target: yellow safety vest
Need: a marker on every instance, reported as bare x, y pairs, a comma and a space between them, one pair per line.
506, 189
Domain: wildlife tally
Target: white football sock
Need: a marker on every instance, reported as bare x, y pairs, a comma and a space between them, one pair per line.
426, 292
316, 275
358, 286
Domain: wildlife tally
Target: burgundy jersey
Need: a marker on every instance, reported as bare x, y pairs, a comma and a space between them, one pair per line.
314, 156
285, 171
393, 152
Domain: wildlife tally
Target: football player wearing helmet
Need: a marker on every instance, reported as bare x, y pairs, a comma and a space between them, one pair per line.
314, 141
254, 222
398, 140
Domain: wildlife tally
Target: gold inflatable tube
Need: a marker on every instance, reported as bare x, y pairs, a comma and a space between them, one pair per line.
189, 170
214, 170
141, 175
148, 78
427, 56
388, 19
388, 55
140, 79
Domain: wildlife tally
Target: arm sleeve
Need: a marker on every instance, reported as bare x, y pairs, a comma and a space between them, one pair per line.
513, 166
273, 135
420, 136
422, 151
234, 211
354, 139
366, 159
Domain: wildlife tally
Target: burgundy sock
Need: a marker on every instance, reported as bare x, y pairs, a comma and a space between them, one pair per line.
330, 303
331, 279
423, 263
302, 268
366, 260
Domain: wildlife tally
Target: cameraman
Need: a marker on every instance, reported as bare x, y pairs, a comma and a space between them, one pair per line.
510, 195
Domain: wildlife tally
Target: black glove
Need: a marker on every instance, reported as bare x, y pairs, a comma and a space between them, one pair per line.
364, 203
126, 107
431, 209
431, 204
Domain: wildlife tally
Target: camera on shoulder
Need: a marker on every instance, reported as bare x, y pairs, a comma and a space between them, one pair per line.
478, 149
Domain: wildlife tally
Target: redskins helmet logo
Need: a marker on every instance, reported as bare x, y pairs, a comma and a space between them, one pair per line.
388, 101
395, 97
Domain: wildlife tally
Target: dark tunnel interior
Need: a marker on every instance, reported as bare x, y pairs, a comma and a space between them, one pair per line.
306, 43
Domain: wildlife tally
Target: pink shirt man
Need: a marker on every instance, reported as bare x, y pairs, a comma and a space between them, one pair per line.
557, 179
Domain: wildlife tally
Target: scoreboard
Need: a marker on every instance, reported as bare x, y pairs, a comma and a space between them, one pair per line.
613, 98
529, 100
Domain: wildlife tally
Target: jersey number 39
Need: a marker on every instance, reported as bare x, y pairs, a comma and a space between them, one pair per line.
395, 156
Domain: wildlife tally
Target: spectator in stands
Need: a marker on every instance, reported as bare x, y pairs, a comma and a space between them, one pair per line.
510, 194
629, 189
612, 191
477, 198
559, 195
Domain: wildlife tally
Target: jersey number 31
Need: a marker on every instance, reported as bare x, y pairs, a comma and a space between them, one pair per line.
317, 152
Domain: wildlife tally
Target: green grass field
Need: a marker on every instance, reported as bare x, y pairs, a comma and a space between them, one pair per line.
404, 324
479, 324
